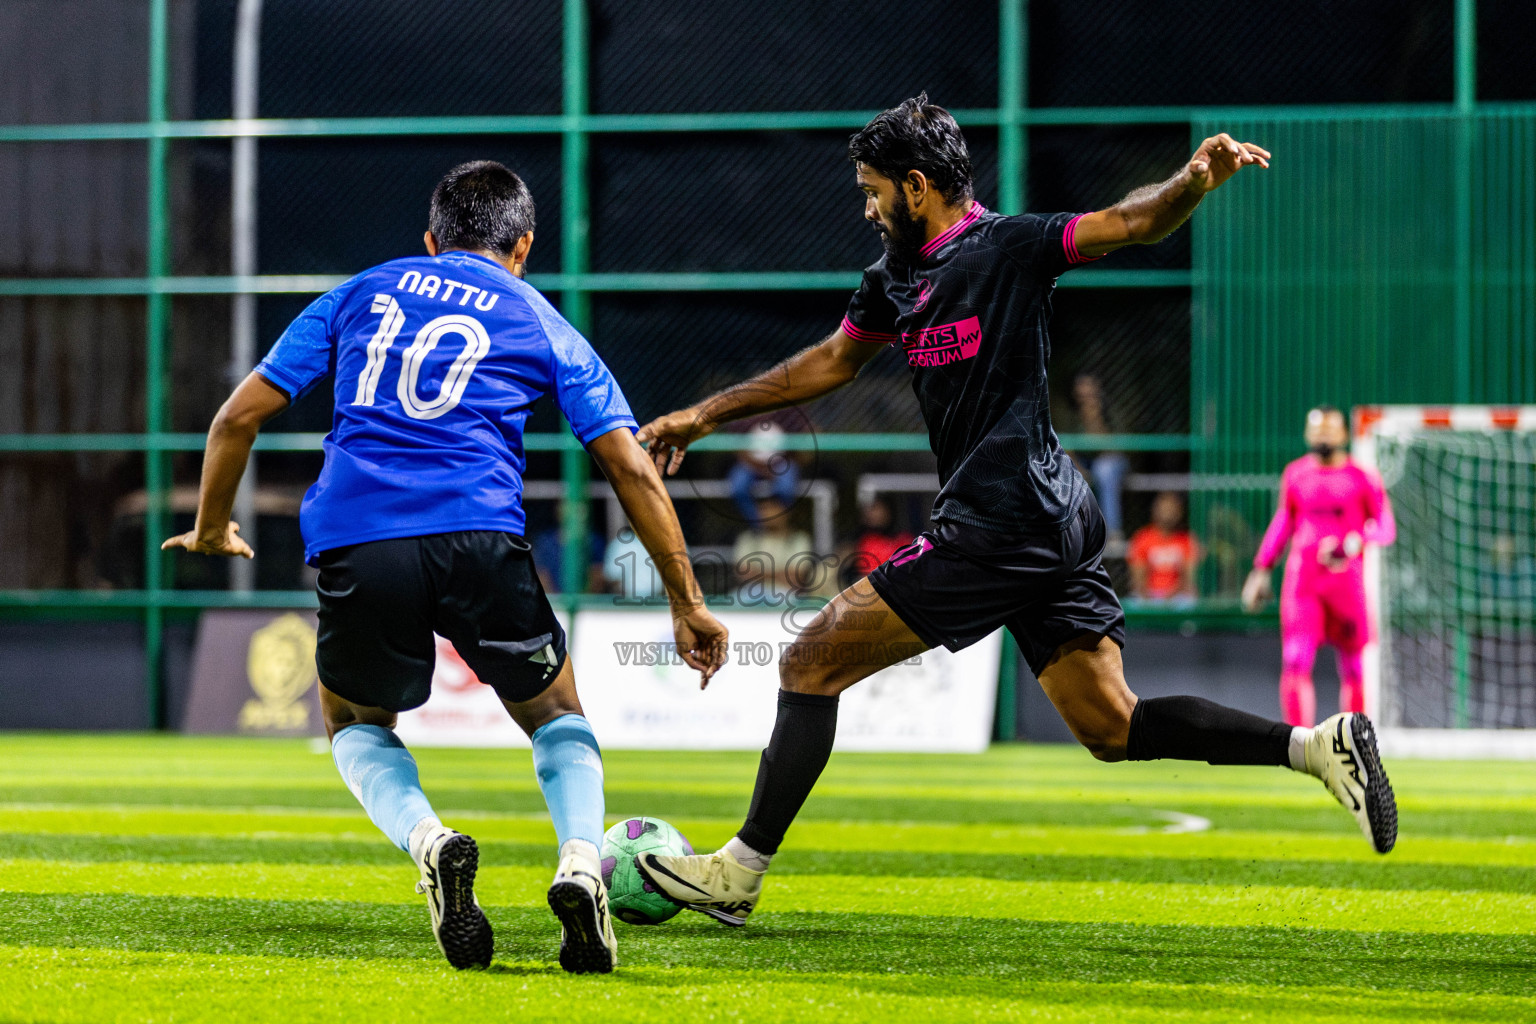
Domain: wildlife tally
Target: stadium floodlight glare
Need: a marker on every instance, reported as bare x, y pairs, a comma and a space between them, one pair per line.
1453, 673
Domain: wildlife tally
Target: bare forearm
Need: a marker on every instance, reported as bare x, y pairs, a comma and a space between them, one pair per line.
224, 459
805, 376
1153, 212
646, 502
650, 512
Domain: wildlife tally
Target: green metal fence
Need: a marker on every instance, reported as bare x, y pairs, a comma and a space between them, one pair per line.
1234, 408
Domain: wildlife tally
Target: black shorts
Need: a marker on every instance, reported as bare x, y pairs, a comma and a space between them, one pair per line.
380, 603
957, 583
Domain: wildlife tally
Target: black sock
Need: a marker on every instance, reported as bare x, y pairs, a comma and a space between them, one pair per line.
801, 743
1195, 729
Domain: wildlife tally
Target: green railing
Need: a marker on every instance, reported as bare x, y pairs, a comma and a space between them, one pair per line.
575, 282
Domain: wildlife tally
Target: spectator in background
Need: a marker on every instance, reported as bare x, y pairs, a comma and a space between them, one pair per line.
878, 540
1106, 470
1163, 555
776, 562
763, 458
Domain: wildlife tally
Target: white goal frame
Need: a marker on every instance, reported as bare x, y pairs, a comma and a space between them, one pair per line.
1370, 422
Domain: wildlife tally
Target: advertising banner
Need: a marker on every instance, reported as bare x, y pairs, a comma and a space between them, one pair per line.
638, 695
253, 672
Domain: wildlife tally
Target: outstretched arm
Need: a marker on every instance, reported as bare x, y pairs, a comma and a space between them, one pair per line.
701, 639
1256, 589
230, 438
802, 377
1152, 212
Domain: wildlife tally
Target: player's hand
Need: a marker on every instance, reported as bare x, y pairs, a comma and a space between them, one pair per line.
1220, 157
667, 437
1256, 590
702, 641
230, 544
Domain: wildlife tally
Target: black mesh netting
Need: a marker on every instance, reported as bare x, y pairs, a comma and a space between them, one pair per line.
1135, 342
794, 55
1090, 167
760, 201
51, 71
1266, 51
359, 58
338, 206
1506, 38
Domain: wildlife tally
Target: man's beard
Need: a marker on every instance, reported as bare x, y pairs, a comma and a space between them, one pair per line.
905, 240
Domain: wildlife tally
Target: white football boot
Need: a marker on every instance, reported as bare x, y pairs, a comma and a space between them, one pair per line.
448, 864
580, 900
716, 883
1342, 752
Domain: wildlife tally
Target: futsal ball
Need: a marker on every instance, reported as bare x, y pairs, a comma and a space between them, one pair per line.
631, 898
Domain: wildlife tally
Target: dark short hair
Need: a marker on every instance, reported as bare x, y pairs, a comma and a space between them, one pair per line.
917, 135
1325, 410
481, 206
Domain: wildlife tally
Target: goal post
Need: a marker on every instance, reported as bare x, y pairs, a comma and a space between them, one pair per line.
1451, 671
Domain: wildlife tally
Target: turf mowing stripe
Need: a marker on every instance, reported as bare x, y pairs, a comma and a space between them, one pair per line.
1364, 910
1290, 792
803, 943
1322, 816
105, 985
1380, 873
354, 854
808, 835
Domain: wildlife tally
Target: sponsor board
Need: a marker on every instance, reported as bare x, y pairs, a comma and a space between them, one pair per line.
254, 673
638, 695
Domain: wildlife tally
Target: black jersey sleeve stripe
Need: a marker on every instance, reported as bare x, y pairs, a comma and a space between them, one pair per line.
1069, 242
858, 333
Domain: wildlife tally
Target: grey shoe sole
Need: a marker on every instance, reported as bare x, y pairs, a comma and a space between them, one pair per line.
1380, 801
582, 949
463, 933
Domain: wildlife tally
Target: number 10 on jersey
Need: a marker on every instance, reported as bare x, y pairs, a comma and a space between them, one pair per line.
476, 344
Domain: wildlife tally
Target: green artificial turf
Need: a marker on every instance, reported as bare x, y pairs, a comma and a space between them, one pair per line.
166, 878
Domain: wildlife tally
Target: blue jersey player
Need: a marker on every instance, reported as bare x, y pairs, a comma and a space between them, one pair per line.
416, 524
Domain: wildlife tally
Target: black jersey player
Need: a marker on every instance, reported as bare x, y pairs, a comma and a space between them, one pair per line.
1017, 539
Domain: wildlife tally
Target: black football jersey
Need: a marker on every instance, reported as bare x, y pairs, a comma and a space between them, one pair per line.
970, 320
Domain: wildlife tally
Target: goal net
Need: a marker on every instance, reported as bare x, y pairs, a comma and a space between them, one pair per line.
1454, 670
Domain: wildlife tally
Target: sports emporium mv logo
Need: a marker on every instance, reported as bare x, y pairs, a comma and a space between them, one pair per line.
942, 345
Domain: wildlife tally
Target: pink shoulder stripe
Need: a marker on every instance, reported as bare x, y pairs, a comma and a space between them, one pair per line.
858, 333
1069, 243
971, 217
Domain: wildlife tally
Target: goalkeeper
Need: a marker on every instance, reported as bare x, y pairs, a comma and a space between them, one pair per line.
1330, 508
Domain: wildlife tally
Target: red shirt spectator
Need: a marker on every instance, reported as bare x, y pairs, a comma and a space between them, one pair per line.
1163, 555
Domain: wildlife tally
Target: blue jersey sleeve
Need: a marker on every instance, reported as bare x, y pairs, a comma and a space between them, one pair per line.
304, 355
585, 391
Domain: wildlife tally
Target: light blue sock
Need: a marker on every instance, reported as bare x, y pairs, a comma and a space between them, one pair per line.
381, 773
570, 770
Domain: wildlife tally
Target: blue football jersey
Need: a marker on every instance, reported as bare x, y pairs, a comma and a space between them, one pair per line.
437, 363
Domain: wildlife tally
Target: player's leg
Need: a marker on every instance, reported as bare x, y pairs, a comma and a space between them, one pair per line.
854, 636
1086, 682
495, 612
1348, 628
1301, 632
1351, 679
569, 767
375, 657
